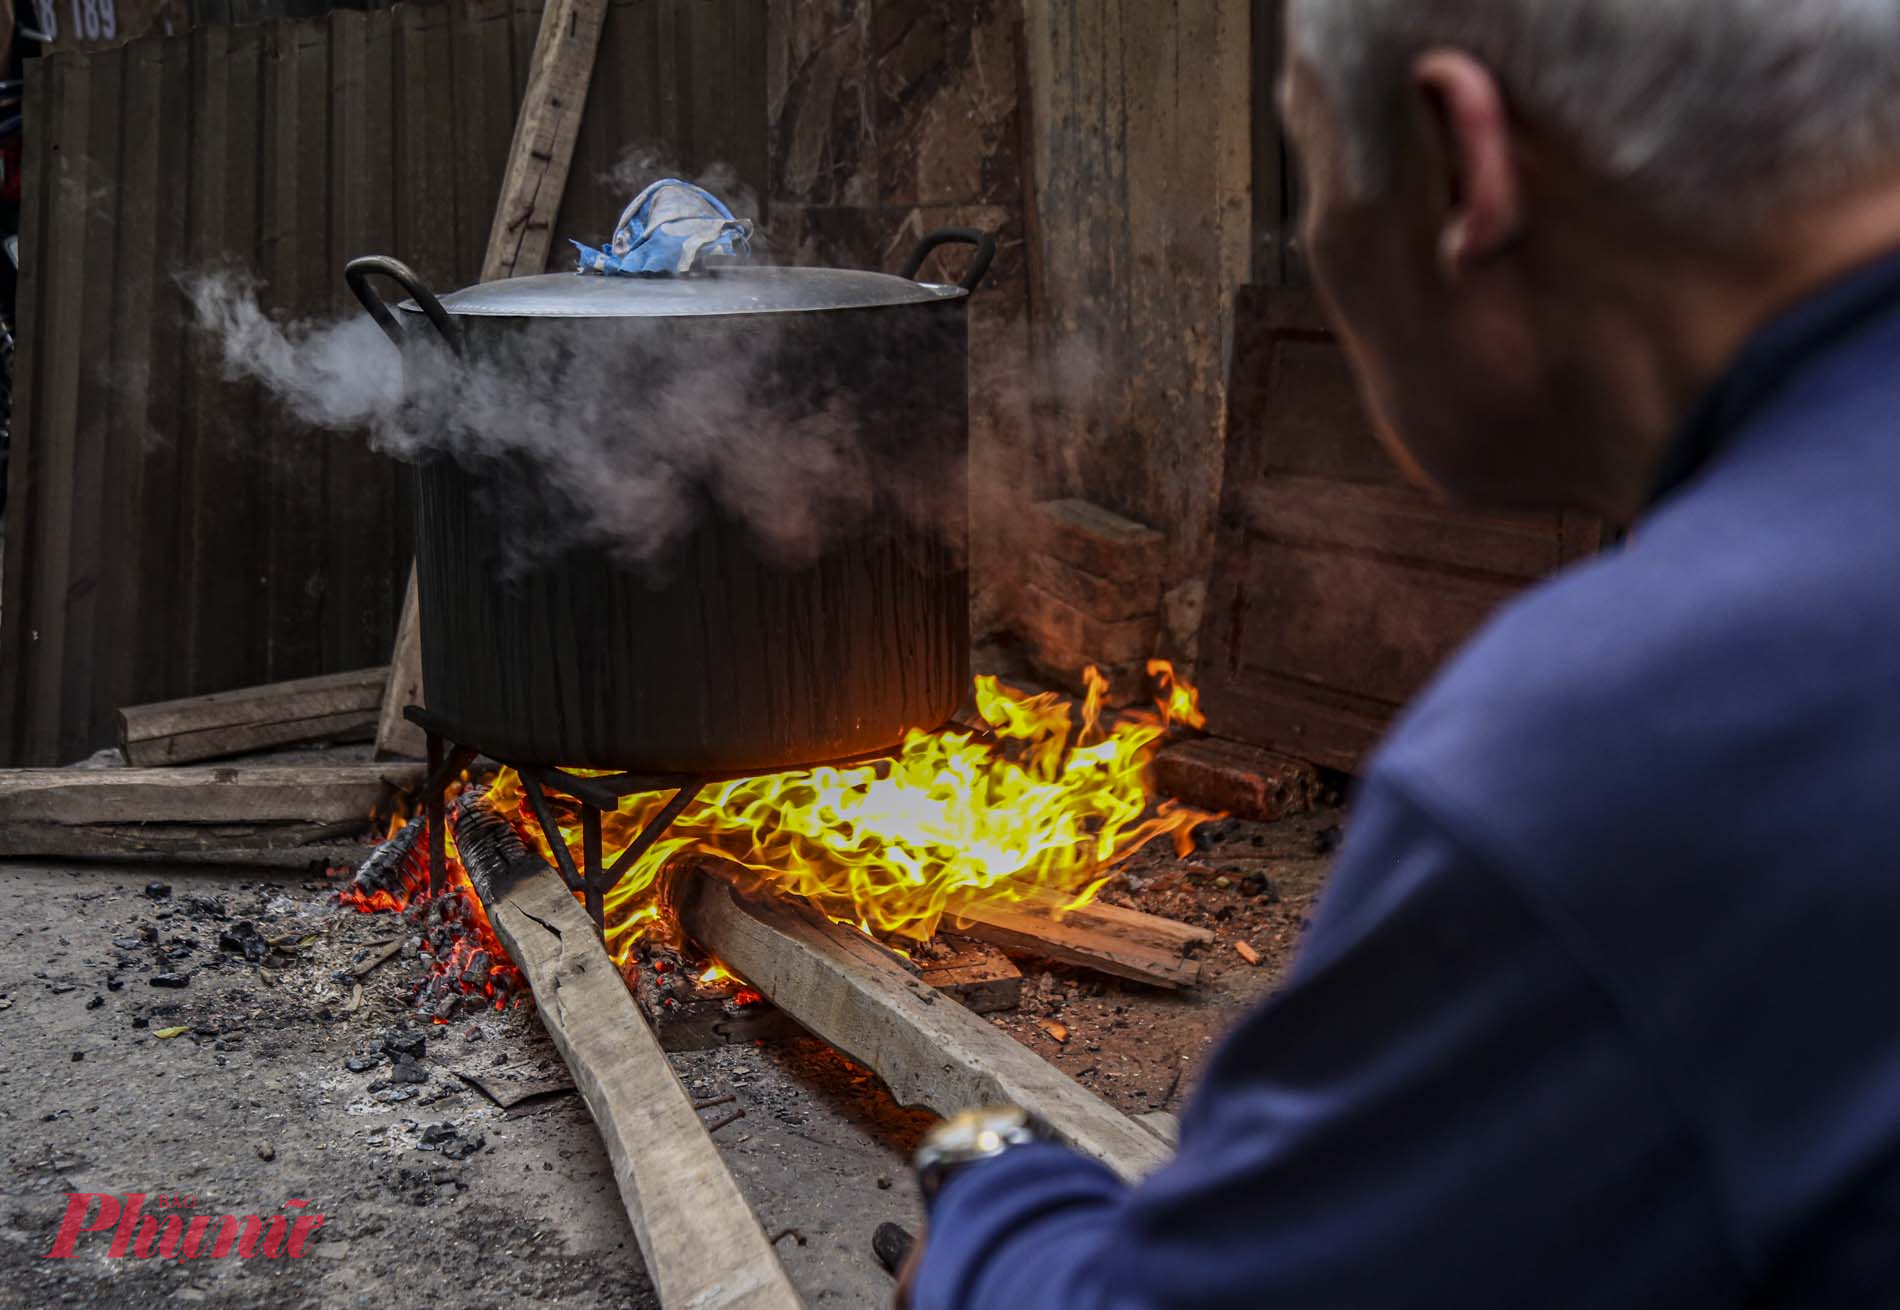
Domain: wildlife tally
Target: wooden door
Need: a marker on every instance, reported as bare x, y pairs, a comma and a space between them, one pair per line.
1337, 587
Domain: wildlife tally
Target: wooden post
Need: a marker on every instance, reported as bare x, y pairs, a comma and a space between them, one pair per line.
928, 1050
518, 242
395, 735
703, 1247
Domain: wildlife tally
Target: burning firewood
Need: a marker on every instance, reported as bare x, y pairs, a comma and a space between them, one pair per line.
394, 871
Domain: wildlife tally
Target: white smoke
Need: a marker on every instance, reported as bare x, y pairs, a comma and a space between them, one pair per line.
619, 441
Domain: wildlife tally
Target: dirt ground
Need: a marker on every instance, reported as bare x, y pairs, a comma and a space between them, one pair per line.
431, 1193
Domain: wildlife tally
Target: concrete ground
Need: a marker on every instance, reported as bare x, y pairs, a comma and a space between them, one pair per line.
433, 1195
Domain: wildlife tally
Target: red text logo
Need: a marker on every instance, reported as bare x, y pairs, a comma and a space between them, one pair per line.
180, 1236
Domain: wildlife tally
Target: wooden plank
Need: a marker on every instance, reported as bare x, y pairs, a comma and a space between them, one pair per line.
702, 1246
543, 146
1164, 1124
396, 735
252, 793
267, 845
519, 238
333, 707
1107, 938
848, 990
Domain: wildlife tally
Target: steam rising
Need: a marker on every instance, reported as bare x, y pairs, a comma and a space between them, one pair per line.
611, 434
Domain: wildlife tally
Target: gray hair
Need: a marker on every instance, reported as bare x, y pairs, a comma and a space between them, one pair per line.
1712, 111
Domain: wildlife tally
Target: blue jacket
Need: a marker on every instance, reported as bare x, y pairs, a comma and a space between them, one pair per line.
1602, 1005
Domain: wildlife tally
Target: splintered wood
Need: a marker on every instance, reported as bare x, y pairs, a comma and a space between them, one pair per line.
703, 1247
850, 991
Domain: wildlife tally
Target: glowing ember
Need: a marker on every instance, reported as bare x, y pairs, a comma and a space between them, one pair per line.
467, 962
1045, 805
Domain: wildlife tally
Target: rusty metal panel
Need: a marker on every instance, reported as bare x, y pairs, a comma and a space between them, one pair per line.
1337, 587
169, 532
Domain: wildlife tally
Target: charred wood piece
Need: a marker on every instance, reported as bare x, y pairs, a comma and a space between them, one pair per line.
396, 868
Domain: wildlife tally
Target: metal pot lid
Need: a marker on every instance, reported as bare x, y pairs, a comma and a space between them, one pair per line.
742, 289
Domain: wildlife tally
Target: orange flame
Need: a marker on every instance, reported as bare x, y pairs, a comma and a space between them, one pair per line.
952, 820
1178, 702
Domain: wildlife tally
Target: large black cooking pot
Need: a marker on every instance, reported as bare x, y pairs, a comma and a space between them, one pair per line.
714, 656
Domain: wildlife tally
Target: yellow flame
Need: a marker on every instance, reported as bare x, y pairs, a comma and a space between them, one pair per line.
1178, 702
714, 974
1041, 807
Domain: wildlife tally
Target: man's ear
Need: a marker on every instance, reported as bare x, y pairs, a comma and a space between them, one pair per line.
1466, 114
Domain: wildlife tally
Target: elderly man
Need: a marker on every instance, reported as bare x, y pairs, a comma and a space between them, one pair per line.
1602, 1007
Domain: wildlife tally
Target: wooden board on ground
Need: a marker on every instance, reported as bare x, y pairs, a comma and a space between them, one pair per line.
1107, 938
264, 845
200, 794
334, 707
702, 1245
848, 990
539, 157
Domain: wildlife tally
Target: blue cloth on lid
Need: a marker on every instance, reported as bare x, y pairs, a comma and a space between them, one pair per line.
667, 230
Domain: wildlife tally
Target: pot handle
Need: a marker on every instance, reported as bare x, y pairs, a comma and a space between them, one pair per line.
984, 242
356, 275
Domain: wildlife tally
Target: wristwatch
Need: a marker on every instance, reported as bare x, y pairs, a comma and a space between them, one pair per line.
970, 1136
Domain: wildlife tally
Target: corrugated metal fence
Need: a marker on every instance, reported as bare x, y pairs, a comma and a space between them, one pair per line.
170, 533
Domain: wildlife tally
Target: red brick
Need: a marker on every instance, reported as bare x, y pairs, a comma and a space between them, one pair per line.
1052, 623
1100, 541
1106, 599
1210, 773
